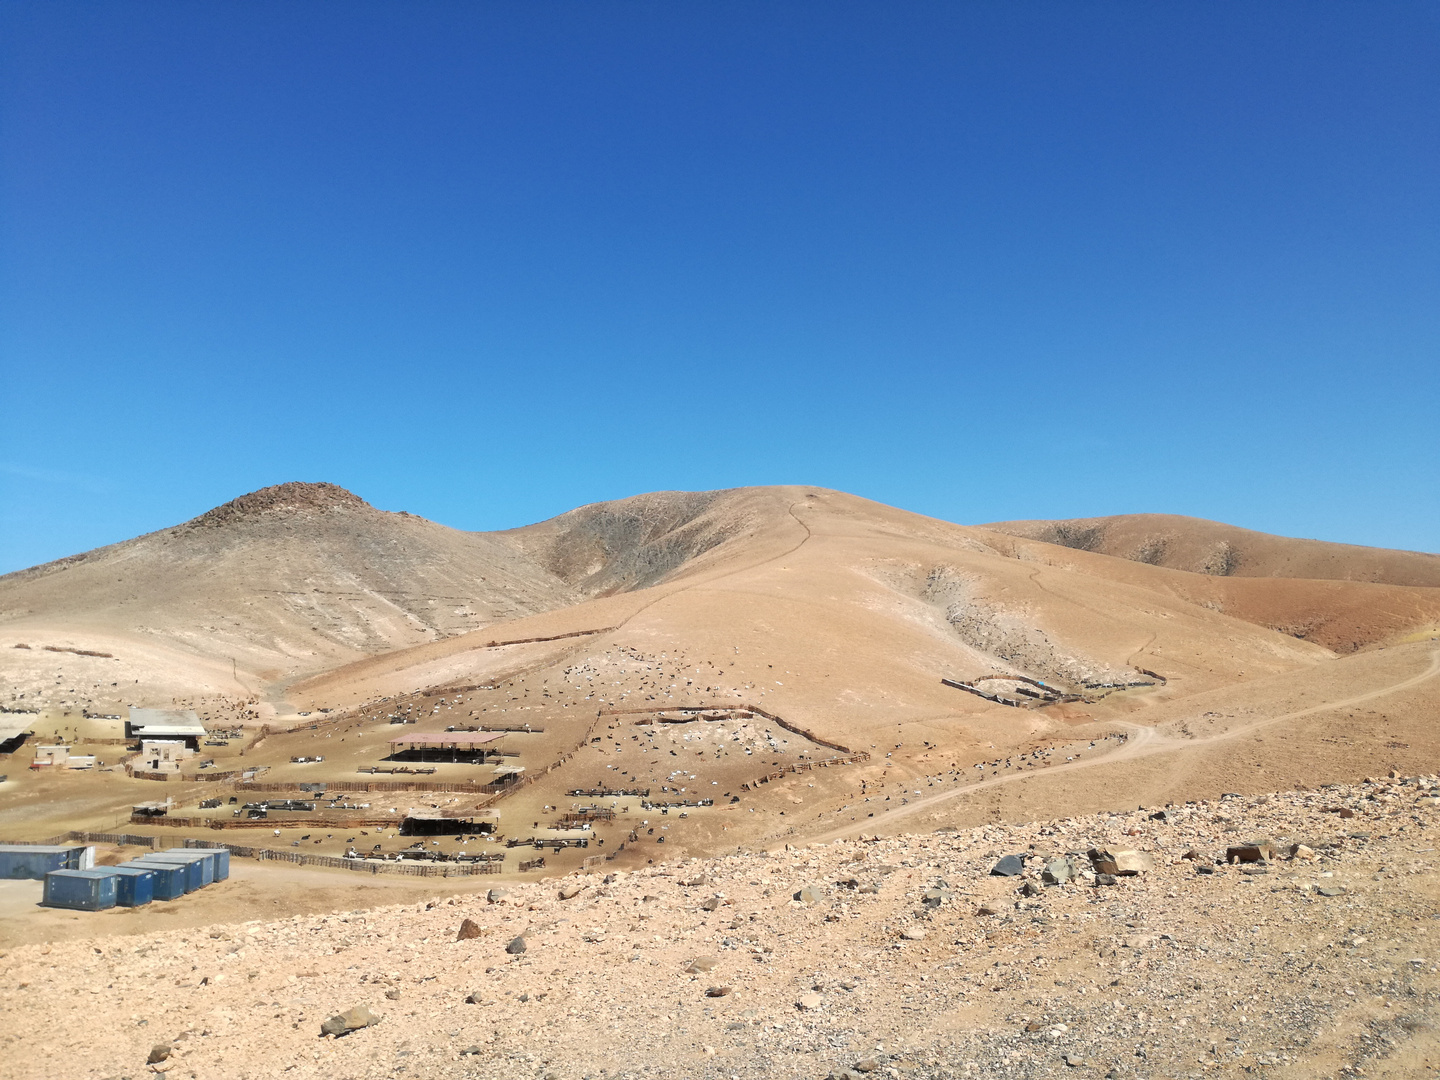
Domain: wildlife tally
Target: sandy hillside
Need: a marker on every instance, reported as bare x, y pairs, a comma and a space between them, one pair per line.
1211, 547
761, 665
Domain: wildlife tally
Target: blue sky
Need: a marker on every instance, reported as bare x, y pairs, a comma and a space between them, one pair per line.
487, 262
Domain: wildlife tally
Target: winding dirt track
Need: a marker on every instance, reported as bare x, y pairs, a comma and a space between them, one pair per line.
1143, 742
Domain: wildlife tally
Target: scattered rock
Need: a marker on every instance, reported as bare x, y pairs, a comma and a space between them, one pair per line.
913, 933
719, 991
713, 904
1198, 856
471, 1051
1303, 853
348, 1021
1121, 862
158, 1053
809, 1002
392, 995
1009, 866
1106, 879
810, 894
701, 964
986, 909
1058, 872
469, 928
866, 1065
516, 947
495, 896
569, 892
1258, 852
1030, 889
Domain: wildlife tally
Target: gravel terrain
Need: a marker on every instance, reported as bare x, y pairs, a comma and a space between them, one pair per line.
896, 957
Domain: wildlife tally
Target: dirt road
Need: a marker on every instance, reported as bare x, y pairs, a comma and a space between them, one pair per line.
1143, 742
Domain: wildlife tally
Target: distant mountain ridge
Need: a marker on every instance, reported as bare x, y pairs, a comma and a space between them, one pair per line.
1211, 547
298, 579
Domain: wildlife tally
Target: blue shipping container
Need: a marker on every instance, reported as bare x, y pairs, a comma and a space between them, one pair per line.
34, 861
169, 883
222, 858
193, 872
136, 885
84, 890
205, 859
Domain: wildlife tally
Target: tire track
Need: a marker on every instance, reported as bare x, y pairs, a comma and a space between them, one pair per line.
1145, 742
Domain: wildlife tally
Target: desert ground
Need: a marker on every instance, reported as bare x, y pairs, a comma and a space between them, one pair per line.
743, 688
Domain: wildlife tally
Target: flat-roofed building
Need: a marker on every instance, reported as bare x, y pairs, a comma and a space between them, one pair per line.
164, 755
181, 724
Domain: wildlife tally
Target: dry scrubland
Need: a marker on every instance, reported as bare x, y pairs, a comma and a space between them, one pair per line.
1181, 660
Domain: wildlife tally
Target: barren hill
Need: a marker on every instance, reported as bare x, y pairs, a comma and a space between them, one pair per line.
295, 581
1210, 547
290, 578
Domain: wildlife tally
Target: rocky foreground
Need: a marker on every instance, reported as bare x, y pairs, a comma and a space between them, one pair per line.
896, 957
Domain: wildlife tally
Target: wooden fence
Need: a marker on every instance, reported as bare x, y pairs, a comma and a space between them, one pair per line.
489, 864
370, 866
266, 823
739, 707
364, 786
806, 766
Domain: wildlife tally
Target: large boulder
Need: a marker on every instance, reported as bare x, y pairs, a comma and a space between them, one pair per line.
1009, 866
348, 1021
1121, 862
1258, 852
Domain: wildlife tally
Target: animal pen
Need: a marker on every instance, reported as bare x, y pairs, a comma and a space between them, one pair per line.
460, 747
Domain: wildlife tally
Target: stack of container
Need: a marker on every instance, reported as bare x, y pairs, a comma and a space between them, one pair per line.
160, 875
167, 882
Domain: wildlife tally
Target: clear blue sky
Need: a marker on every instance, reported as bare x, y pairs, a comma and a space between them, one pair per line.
486, 262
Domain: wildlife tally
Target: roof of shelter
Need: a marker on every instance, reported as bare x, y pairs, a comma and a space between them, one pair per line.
448, 738
10, 726
166, 721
